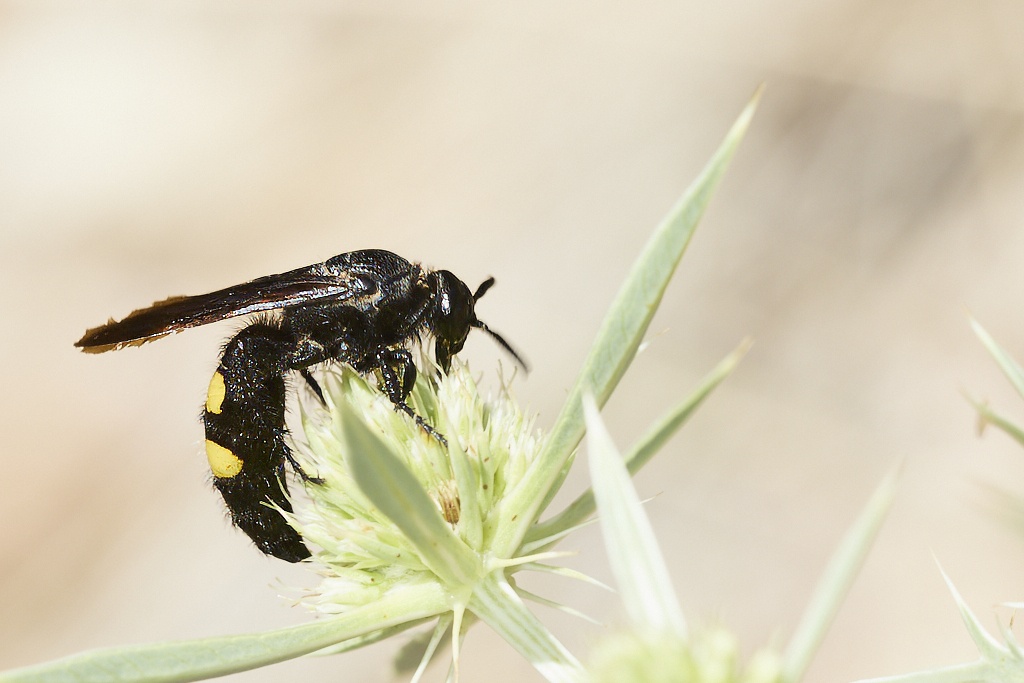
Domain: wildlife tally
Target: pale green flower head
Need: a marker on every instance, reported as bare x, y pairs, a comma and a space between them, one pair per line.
709, 656
363, 552
410, 513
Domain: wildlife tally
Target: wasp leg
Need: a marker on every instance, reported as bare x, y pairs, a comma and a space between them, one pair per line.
399, 377
308, 478
246, 434
313, 384
322, 334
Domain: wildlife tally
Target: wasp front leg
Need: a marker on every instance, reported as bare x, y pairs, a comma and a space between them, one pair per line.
398, 375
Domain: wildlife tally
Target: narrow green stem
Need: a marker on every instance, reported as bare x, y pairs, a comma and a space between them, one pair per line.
193, 660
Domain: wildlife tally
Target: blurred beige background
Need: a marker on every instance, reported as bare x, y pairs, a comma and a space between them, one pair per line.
155, 148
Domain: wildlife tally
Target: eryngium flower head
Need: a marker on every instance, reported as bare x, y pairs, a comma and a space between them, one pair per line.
409, 523
486, 446
710, 656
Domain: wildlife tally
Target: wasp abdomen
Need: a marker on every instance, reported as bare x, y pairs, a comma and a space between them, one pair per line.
244, 418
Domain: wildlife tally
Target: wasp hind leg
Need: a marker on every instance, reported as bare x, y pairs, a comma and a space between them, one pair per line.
246, 435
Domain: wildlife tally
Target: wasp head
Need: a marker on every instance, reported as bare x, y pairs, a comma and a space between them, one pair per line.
455, 314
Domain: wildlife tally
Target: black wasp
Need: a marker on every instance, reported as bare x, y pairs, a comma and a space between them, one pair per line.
363, 308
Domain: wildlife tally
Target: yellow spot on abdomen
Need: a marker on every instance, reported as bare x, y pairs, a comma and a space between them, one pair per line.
223, 462
215, 394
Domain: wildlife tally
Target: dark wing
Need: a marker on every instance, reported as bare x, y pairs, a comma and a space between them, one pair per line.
171, 315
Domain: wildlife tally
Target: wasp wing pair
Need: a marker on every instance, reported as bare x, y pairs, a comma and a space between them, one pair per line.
363, 308
177, 313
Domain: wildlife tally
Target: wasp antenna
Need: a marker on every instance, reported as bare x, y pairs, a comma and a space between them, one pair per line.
482, 289
504, 344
